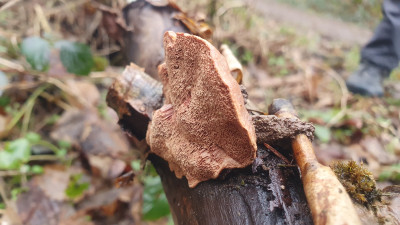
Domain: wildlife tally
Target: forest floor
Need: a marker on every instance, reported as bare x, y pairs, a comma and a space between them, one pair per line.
62, 149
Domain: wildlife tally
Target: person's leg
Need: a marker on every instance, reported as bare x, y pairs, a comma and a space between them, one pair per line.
383, 49
381, 55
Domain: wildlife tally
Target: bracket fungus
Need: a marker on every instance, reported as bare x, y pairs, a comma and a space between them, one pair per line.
203, 126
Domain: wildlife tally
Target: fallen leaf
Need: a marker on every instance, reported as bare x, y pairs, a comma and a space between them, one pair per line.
54, 181
56, 68
94, 135
328, 153
197, 28
105, 204
377, 150
37, 52
82, 94
35, 207
106, 167
234, 65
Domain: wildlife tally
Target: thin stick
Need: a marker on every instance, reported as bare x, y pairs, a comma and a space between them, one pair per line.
8, 5
42, 18
58, 102
273, 150
27, 118
44, 158
67, 6
10, 173
24, 108
257, 111
11, 64
343, 99
3, 193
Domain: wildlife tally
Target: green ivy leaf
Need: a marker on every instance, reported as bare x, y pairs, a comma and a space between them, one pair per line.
135, 164
61, 152
24, 168
3, 81
14, 154
37, 169
76, 187
100, 63
4, 101
64, 144
37, 52
155, 204
76, 57
323, 133
7, 161
32, 137
20, 149
16, 191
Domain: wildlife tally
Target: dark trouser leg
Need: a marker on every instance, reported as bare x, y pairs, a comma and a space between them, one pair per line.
383, 49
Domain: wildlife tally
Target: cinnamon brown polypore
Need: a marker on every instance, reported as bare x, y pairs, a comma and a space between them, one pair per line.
203, 126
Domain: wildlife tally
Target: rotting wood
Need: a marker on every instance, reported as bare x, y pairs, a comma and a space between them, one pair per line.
271, 195
328, 200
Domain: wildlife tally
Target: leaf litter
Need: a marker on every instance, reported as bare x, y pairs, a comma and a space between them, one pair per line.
279, 61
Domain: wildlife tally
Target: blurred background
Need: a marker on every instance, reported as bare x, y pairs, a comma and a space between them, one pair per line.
61, 148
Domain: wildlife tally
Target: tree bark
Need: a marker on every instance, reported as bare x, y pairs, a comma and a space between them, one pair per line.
272, 196
269, 193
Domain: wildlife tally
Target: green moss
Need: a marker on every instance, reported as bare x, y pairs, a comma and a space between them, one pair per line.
358, 182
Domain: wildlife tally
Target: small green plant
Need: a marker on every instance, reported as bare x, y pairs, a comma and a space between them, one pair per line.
323, 133
352, 59
391, 173
37, 52
17, 153
76, 186
155, 203
76, 57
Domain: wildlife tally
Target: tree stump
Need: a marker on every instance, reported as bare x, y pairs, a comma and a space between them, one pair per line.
268, 193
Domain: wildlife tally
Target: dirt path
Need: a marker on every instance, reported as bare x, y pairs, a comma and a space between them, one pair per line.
327, 27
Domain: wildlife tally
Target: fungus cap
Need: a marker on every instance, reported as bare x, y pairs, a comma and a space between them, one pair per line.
203, 126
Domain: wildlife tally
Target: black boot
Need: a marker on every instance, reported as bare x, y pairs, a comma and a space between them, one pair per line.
367, 80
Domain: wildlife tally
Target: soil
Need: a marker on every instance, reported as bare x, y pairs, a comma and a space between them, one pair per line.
328, 27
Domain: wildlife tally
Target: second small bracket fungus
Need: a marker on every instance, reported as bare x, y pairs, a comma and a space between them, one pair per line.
203, 126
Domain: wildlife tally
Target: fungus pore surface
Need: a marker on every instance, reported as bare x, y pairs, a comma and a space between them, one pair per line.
203, 126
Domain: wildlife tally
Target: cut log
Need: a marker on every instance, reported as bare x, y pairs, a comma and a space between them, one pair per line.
272, 195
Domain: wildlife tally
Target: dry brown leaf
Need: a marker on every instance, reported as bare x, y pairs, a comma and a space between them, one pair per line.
358, 154
106, 204
54, 181
82, 94
113, 22
56, 68
233, 63
106, 167
374, 147
84, 128
328, 153
197, 28
35, 207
